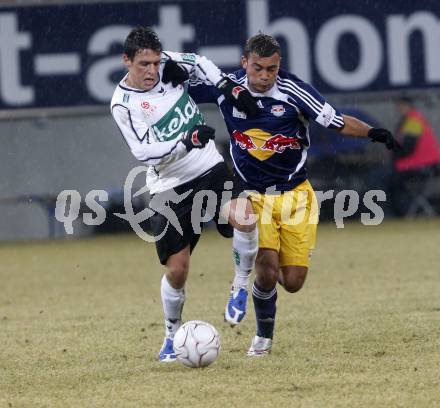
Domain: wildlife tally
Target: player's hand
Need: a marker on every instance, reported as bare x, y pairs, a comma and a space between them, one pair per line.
238, 96
198, 137
174, 73
384, 136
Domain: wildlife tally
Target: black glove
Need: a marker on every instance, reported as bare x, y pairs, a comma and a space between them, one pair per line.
384, 136
198, 136
174, 73
238, 96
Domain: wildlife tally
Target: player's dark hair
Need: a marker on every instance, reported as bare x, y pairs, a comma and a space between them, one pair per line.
263, 45
404, 99
141, 38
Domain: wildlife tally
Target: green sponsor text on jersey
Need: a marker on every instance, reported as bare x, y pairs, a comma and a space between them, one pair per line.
180, 118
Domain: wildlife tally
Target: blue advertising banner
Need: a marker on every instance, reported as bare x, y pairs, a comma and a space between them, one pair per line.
70, 55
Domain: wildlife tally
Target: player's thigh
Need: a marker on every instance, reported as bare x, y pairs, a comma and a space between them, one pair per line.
296, 244
231, 206
267, 223
173, 234
298, 226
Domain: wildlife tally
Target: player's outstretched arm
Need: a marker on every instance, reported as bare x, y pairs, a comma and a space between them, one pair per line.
356, 127
180, 67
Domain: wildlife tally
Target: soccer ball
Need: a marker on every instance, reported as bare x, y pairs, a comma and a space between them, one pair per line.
196, 344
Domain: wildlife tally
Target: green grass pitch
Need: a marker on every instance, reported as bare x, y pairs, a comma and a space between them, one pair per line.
81, 325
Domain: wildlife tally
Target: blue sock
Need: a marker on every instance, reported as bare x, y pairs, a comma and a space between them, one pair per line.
265, 309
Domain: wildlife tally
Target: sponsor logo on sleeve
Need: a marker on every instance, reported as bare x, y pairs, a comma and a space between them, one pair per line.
189, 58
326, 116
237, 114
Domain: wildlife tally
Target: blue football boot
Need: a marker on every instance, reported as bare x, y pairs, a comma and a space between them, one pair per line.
166, 353
236, 308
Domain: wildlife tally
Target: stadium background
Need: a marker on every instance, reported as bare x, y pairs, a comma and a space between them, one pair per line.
60, 61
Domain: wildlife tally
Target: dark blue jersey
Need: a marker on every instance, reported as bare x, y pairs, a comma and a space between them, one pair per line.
270, 151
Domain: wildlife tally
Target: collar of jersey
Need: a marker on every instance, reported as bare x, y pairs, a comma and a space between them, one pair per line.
125, 87
268, 94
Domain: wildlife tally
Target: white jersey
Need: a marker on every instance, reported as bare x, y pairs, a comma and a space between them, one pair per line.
154, 122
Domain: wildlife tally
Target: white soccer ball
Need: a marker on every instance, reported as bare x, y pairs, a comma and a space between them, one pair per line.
196, 344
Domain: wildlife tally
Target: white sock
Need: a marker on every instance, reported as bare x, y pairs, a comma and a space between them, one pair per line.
244, 250
172, 301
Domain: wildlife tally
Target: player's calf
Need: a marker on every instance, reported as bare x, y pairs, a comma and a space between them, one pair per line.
240, 214
245, 248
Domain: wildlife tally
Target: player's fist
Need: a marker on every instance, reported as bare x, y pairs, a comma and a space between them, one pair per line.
238, 96
174, 73
384, 136
198, 136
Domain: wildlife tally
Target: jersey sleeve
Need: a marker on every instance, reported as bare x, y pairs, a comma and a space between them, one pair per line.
141, 140
203, 93
198, 67
312, 103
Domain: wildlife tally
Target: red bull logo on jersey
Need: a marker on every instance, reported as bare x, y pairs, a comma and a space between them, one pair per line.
243, 140
262, 145
279, 143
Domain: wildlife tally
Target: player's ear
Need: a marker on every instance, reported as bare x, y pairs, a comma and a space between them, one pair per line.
244, 62
126, 60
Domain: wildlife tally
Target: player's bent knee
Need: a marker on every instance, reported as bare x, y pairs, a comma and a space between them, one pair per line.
177, 268
293, 286
177, 276
240, 214
266, 282
293, 278
246, 228
268, 279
